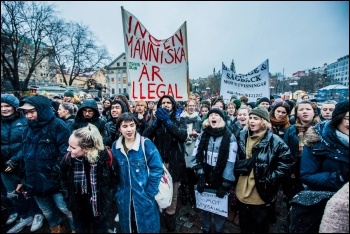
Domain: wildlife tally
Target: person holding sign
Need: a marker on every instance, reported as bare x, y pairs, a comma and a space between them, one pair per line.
263, 161
213, 159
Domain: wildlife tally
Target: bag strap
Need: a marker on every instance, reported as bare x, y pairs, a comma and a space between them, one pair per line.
143, 150
110, 160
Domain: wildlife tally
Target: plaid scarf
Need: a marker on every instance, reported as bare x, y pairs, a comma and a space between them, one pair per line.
80, 182
80, 176
93, 181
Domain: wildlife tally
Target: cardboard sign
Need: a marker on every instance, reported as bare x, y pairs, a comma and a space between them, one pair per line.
210, 202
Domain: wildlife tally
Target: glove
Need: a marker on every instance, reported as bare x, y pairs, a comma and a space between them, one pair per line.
162, 115
201, 183
113, 129
221, 192
11, 164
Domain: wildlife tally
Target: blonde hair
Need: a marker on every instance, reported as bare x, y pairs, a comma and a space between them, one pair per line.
89, 138
264, 124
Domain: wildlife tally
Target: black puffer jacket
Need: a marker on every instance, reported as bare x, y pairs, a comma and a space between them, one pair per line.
170, 141
273, 162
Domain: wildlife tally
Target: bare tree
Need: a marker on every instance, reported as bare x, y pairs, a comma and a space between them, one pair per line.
76, 51
25, 27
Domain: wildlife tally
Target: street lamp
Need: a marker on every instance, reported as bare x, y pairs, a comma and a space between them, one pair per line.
271, 88
196, 85
293, 84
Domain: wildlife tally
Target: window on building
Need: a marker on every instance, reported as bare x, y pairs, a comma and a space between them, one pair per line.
124, 64
113, 91
124, 80
124, 90
118, 64
112, 80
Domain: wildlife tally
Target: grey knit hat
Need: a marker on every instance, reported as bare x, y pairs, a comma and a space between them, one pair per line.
10, 99
261, 112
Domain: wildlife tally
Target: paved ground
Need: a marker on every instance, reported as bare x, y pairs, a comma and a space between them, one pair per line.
187, 221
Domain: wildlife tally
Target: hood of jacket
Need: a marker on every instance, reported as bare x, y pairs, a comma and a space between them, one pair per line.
323, 131
43, 107
88, 103
159, 104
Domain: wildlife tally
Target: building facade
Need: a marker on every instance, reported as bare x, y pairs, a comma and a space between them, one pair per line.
116, 76
338, 72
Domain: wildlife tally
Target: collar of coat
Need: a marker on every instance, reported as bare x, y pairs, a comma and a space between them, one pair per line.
135, 146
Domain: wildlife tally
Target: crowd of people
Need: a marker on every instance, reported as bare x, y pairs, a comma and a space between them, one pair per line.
83, 160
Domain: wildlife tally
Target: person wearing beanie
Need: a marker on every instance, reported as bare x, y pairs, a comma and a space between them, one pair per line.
265, 102
325, 159
68, 94
213, 160
263, 161
261, 112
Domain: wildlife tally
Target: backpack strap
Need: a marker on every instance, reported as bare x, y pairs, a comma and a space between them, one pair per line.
110, 160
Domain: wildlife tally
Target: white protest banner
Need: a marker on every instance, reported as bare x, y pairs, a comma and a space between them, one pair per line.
208, 201
155, 67
253, 85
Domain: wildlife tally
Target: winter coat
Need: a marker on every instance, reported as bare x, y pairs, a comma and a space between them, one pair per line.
80, 121
69, 121
11, 137
137, 185
272, 164
324, 159
170, 142
212, 155
45, 143
106, 178
234, 126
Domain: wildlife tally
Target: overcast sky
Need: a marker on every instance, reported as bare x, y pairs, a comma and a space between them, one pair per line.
291, 35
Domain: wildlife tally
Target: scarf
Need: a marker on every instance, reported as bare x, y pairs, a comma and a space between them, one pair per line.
302, 128
284, 123
93, 181
80, 182
201, 156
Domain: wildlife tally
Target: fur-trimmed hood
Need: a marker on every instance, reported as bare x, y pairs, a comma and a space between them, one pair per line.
311, 136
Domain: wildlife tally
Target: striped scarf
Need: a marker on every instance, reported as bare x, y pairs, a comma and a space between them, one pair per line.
302, 128
80, 182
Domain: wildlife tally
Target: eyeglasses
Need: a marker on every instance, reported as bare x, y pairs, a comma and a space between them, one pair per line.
88, 111
346, 118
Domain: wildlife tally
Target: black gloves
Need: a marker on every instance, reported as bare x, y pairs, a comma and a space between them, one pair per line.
11, 165
223, 189
221, 192
113, 129
201, 183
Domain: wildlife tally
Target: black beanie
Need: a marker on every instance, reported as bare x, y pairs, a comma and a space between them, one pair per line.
217, 111
263, 99
340, 108
261, 112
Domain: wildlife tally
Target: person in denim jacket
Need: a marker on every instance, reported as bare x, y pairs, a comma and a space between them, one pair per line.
135, 196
